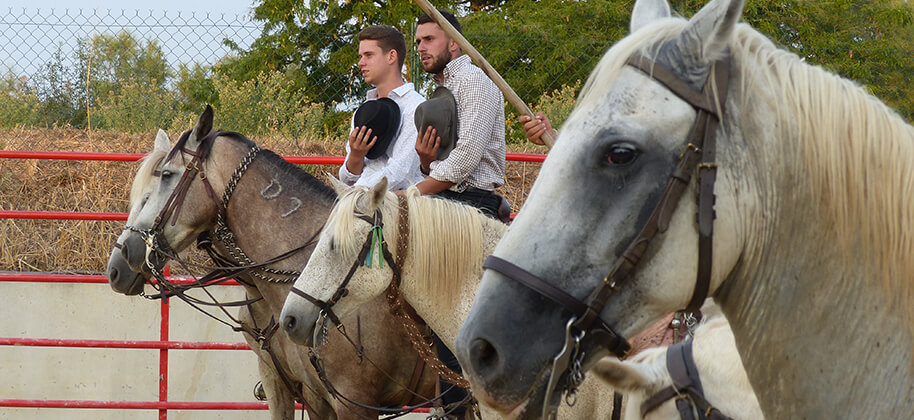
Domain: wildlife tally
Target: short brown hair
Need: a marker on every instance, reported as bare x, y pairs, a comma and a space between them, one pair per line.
447, 15
388, 37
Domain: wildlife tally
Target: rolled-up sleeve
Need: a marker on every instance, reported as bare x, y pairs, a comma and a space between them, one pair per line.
479, 106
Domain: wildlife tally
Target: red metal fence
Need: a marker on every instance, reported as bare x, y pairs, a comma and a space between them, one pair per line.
163, 344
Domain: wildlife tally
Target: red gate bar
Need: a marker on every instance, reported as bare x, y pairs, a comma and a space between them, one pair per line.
130, 157
122, 344
85, 278
60, 215
150, 405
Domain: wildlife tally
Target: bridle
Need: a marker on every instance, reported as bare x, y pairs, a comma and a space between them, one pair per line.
399, 308
686, 389
699, 154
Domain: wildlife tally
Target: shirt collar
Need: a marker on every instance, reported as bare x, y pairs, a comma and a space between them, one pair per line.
399, 91
454, 67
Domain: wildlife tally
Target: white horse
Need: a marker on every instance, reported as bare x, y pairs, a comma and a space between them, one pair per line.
440, 273
723, 379
812, 242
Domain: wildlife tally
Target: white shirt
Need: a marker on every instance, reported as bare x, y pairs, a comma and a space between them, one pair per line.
400, 163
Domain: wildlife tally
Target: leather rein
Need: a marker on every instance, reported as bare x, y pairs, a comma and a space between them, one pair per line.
699, 155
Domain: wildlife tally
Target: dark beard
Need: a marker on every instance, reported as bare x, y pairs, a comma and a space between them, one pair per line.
438, 63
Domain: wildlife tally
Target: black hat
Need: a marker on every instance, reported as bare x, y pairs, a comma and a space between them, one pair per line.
439, 111
382, 116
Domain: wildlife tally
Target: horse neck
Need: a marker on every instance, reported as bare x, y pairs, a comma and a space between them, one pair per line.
802, 297
271, 212
443, 315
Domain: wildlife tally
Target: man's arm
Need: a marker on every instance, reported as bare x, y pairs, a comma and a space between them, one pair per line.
431, 185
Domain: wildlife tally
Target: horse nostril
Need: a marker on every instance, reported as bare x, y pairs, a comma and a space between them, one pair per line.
113, 274
483, 355
288, 323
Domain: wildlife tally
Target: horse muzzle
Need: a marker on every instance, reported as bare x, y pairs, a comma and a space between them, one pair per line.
299, 323
121, 276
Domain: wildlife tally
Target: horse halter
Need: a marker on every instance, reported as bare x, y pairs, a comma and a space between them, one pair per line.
699, 153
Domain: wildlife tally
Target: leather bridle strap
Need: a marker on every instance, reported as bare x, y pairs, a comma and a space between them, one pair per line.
686, 389
341, 290
699, 153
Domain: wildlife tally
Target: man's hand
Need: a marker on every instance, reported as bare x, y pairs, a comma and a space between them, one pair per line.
427, 148
535, 127
360, 142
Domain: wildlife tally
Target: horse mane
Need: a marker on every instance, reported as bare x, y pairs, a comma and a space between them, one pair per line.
143, 177
446, 237
854, 153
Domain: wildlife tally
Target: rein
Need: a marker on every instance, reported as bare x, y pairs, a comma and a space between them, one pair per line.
698, 156
686, 388
398, 307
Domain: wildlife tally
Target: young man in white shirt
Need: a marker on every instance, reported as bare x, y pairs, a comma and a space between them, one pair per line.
382, 50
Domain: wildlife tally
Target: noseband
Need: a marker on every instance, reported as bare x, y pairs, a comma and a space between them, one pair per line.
699, 154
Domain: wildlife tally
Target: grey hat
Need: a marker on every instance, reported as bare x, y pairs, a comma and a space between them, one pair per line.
439, 111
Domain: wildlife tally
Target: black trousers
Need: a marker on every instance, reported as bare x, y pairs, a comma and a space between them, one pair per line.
487, 201
452, 394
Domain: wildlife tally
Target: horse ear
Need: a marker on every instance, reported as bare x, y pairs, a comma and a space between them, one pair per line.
708, 33
339, 186
626, 376
203, 127
378, 192
162, 142
647, 11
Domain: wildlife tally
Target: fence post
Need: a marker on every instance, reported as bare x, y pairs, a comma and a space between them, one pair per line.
163, 355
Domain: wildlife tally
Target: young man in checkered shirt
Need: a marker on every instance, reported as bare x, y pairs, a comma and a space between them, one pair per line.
476, 166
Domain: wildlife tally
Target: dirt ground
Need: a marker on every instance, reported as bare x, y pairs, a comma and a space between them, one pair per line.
94, 186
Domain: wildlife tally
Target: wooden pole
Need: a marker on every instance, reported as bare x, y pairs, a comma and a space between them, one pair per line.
465, 45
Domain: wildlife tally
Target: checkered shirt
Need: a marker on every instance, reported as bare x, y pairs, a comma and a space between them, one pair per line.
478, 160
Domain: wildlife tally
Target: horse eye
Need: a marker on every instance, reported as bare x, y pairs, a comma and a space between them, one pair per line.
145, 199
621, 155
166, 174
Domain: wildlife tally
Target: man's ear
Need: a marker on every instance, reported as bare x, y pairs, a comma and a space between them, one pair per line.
391, 56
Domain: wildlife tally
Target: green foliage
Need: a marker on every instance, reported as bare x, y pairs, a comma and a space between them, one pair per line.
538, 46
136, 108
19, 105
556, 105
112, 60
266, 104
195, 86
314, 43
867, 41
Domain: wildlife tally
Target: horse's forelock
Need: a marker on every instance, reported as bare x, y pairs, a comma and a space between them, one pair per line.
144, 175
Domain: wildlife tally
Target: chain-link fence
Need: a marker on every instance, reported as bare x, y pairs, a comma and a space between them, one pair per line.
30, 39
137, 70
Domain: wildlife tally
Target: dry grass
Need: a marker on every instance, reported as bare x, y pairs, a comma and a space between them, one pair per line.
51, 185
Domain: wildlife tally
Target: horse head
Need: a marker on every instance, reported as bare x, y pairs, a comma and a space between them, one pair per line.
347, 267
168, 206
597, 190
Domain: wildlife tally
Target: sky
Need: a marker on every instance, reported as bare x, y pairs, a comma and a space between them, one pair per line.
32, 31
222, 6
